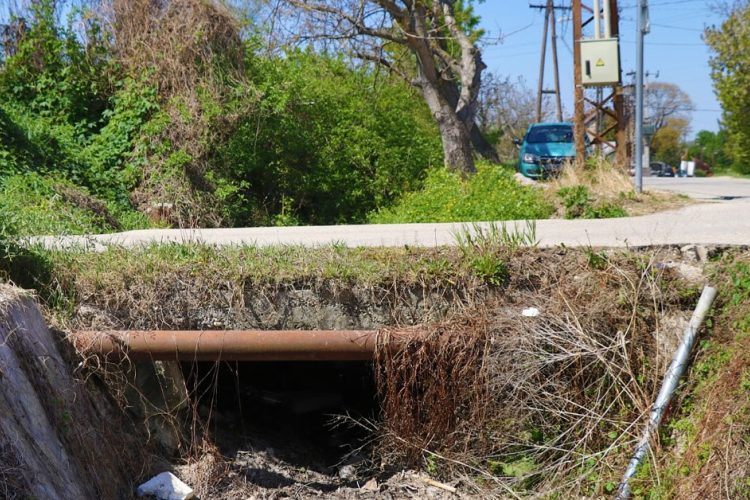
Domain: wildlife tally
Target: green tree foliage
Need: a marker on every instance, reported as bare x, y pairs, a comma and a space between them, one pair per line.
170, 108
666, 144
730, 70
431, 44
712, 148
63, 127
53, 74
329, 143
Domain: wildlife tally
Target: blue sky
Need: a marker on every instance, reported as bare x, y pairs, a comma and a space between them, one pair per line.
674, 47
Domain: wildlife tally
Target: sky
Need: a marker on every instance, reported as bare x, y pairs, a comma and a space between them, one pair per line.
673, 53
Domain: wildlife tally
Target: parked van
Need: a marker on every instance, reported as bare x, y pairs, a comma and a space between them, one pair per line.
545, 149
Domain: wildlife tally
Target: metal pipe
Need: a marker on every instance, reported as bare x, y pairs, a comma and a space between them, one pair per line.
228, 345
671, 379
597, 19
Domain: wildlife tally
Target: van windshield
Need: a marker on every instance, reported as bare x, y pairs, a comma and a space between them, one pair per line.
550, 133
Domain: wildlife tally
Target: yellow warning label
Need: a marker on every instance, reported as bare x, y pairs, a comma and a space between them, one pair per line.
599, 63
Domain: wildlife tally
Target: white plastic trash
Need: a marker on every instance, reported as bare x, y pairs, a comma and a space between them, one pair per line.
683, 168
166, 486
531, 312
690, 168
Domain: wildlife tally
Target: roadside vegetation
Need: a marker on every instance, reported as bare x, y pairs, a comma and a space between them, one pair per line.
99, 134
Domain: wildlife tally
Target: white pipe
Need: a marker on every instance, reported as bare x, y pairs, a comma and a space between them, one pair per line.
597, 19
607, 19
671, 379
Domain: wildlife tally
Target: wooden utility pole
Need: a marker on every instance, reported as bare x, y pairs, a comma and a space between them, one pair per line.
578, 122
549, 25
554, 61
621, 132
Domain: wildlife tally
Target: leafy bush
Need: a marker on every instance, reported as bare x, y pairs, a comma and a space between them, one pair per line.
576, 200
53, 74
741, 167
32, 204
329, 143
492, 194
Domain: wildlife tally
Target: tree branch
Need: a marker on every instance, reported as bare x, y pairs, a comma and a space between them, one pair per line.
388, 65
357, 23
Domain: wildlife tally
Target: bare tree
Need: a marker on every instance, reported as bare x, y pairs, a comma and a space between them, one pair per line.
427, 42
666, 101
506, 109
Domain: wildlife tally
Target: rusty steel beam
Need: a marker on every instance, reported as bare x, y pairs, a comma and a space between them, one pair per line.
228, 345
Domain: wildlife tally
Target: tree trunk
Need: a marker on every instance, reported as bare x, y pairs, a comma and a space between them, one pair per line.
483, 148
456, 145
456, 138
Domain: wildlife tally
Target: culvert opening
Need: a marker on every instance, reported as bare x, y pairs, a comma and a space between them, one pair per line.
296, 405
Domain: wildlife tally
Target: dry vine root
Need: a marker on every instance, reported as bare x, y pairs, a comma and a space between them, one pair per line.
432, 385
530, 400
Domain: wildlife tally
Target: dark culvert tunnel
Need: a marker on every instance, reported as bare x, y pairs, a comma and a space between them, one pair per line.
299, 408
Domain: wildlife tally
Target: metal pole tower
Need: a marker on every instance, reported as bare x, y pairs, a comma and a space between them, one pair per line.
549, 25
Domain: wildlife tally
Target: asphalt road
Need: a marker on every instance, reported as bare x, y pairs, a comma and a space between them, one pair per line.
724, 219
709, 188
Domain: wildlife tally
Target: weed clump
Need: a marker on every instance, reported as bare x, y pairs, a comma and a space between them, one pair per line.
536, 402
432, 386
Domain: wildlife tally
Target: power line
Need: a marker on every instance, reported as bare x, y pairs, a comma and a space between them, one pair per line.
676, 27
671, 44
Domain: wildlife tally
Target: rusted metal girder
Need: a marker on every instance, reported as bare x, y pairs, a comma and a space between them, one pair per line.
228, 345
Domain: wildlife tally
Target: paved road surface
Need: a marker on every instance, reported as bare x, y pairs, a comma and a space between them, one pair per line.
723, 221
711, 188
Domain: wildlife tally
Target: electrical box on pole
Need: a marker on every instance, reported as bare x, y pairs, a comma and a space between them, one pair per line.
597, 65
600, 62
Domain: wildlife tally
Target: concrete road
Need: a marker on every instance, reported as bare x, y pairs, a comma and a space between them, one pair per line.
724, 221
709, 188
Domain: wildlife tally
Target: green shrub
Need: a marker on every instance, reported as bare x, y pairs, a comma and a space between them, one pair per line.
741, 167
39, 205
492, 194
576, 201
328, 143
579, 205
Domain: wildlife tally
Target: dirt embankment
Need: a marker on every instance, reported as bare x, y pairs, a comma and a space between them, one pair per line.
57, 438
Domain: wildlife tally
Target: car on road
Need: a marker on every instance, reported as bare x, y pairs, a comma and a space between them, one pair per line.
661, 169
545, 149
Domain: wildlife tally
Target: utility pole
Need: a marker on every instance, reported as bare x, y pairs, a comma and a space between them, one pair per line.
549, 24
641, 12
621, 131
579, 129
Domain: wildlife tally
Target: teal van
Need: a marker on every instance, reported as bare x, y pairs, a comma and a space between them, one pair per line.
546, 149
